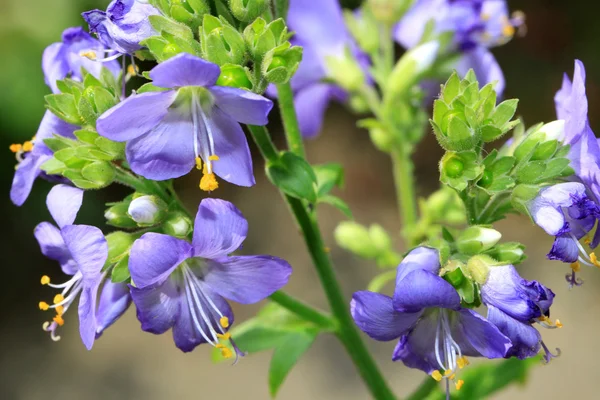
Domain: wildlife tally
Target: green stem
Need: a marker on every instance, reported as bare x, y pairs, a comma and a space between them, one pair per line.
303, 310
347, 331
405, 187
425, 388
290, 120
140, 184
491, 207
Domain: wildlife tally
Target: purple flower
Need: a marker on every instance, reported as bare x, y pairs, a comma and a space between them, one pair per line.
184, 285
435, 332
32, 154
514, 304
476, 26
81, 251
124, 24
170, 132
76, 51
319, 28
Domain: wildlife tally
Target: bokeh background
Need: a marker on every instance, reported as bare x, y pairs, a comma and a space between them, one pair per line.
130, 364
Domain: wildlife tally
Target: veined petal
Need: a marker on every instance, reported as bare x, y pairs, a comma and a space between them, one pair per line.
54, 65
219, 229
27, 172
374, 314
52, 125
135, 116
421, 258
310, 103
114, 301
87, 314
53, 246
185, 70
64, 202
525, 339
564, 249
231, 146
89, 249
247, 279
158, 307
477, 336
154, 256
421, 289
243, 106
166, 151
416, 349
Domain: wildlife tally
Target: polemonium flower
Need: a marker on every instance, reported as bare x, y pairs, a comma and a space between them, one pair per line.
77, 51
183, 286
123, 25
435, 332
320, 29
170, 132
476, 25
33, 153
81, 251
514, 304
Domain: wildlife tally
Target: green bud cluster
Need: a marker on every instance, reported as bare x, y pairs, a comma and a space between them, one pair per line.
248, 10
457, 169
464, 116
372, 243
189, 12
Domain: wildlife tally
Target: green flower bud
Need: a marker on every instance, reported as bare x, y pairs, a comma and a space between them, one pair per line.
177, 225
234, 76
409, 68
356, 239
119, 244
379, 237
454, 167
346, 71
221, 43
248, 10
545, 138
458, 169
477, 239
509, 253
364, 28
261, 37
382, 140
389, 11
280, 63
147, 210
478, 268
117, 215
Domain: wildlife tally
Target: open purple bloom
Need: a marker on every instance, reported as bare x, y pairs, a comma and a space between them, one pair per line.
435, 332
123, 25
77, 51
320, 29
184, 286
31, 155
170, 132
514, 304
476, 26
81, 251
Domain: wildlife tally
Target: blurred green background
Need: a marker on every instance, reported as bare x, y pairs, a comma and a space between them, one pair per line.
127, 363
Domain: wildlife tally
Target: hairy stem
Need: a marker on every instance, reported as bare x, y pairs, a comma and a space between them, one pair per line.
405, 187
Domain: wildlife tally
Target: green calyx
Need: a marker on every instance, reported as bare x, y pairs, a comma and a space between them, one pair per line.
457, 169
234, 76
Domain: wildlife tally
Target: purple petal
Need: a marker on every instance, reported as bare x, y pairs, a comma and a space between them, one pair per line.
27, 172
235, 162
562, 98
54, 65
421, 258
165, 152
310, 103
473, 332
114, 301
243, 106
51, 125
219, 229
64, 202
417, 348
409, 31
525, 339
564, 249
485, 66
310, 71
157, 307
421, 289
135, 116
53, 246
185, 70
186, 333
87, 314
154, 256
89, 249
374, 314
247, 279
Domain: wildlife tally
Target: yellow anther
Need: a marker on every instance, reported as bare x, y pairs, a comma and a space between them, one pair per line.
28, 146
224, 336
459, 384
198, 163
214, 157
224, 321
60, 310
448, 372
558, 323
436, 375
587, 240
462, 362
45, 280
15, 148
58, 298
594, 259
131, 70
576, 266
208, 183
485, 16
43, 306
508, 30
220, 346
226, 353
89, 54
59, 320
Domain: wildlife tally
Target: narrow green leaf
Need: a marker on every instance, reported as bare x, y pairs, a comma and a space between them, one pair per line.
328, 176
286, 356
504, 112
120, 272
337, 203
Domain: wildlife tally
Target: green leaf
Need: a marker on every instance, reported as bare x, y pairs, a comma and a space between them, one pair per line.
294, 176
489, 133
286, 356
337, 203
328, 176
503, 165
57, 143
63, 105
101, 173
86, 136
500, 184
531, 172
110, 147
120, 272
163, 24
504, 112
450, 90
555, 168
53, 167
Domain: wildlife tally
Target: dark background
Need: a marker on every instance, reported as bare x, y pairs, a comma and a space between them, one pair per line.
130, 364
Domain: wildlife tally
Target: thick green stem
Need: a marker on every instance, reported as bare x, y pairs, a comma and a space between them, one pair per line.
290, 120
303, 310
405, 187
347, 331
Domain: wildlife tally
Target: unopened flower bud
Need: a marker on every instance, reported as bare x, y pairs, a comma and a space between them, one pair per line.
552, 131
147, 210
248, 10
409, 68
119, 242
234, 76
478, 267
116, 215
177, 225
381, 139
476, 239
346, 71
355, 238
509, 253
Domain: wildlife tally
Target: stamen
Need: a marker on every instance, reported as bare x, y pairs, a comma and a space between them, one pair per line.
548, 355
45, 280
462, 362
573, 280
90, 54
224, 321
224, 336
28, 146
214, 157
209, 183
508, 30
59, 320
594, 259
548, 323
198, 163
15, 148
576, 266
44, 306
436, 375
459, 384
